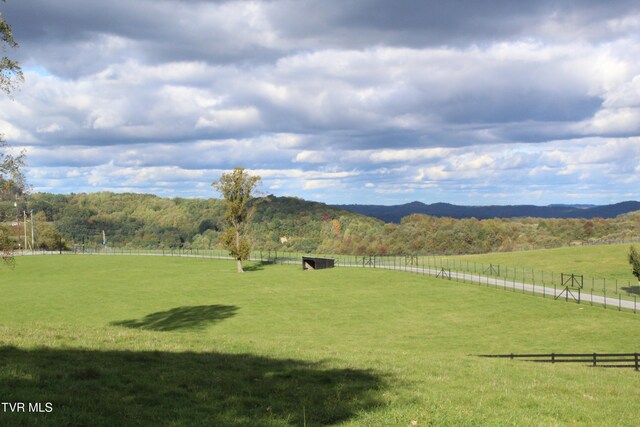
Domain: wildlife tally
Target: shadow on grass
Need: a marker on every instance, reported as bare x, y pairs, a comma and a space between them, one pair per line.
88, 387
633, 290
253, 267
190, 317
258, 265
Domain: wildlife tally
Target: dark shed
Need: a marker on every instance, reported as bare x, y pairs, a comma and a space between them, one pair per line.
315, 263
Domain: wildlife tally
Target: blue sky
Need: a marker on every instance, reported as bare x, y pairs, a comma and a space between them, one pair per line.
366, 101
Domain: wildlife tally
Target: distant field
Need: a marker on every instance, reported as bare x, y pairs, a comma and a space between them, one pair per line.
178, 341
602, 261
604, 269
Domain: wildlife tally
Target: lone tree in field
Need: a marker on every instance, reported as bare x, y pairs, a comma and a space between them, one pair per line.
634, 260
238, 189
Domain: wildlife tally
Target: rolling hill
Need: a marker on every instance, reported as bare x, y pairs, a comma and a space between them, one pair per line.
395, 213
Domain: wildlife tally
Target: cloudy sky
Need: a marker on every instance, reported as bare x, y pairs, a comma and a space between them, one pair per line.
360, 101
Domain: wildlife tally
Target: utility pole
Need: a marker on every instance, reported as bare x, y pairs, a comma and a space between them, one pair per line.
17, 222
25, 229
33, 240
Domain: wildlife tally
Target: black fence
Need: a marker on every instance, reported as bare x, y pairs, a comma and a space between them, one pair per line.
602, 360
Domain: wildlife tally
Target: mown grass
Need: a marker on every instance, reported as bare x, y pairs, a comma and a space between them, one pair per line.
178, 341
603, 270
602, 261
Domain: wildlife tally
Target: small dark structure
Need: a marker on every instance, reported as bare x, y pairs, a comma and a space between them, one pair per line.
315, 263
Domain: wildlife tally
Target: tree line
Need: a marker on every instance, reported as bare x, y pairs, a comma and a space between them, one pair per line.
289, 223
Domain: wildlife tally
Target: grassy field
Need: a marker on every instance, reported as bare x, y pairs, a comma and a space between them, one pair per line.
178, 341
602, 261
604, 269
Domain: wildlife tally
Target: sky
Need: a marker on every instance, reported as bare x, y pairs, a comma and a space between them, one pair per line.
362, 101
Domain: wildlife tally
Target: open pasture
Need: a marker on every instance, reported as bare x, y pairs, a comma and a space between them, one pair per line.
602, 261
179, 341
604, 269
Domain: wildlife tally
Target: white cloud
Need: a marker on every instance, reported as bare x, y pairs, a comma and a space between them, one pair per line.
468, 162
434, 173
14, 133
230, 119
390, 155
301, 174
315, 184
309, 156
394, 190
50, 128
161, 96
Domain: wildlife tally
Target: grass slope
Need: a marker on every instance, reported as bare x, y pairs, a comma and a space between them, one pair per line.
175, 341
609, 261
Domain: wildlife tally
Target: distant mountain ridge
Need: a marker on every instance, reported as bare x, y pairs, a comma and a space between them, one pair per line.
396, 212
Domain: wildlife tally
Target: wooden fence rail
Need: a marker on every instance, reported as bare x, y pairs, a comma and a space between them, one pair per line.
602, 360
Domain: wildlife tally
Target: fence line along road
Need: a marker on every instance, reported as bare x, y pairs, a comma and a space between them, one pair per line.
509, 285
517, 286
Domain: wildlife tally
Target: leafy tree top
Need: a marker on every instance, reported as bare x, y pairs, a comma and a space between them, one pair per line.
10, 71
634, 260
238, 189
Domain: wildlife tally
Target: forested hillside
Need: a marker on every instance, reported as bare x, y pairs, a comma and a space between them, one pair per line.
286, 223
148, 221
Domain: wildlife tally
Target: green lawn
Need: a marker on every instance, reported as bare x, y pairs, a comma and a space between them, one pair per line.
609, 261
605, 269
176, 341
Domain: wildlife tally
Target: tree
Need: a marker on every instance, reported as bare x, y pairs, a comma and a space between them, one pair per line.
12, 184
634, 260
10, 71
238, 189
11, 177
12, 180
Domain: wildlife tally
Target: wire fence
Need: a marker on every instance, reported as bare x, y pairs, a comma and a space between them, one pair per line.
603, 286
607, 293
611, 294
